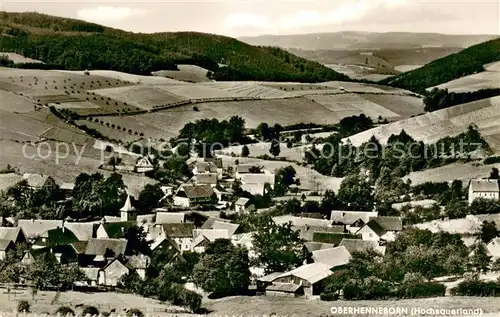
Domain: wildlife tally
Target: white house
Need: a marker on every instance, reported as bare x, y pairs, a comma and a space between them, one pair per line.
144, 165
243, 205
483, 188
253, 178
493, 248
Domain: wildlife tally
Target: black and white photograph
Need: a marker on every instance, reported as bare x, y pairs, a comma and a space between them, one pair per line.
249, 158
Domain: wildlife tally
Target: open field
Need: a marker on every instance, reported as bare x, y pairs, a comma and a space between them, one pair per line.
188, 73
358, 71
137, 79
199, 91
448, 173
19, 59
262, 305
14, 103
43, 303
140, 96
262, 148
484, 80
407, 68
430, 127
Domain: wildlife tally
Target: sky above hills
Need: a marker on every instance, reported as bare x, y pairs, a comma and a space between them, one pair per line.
258, 17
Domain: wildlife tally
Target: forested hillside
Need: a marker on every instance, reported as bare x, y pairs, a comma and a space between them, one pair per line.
75, 44
466, 62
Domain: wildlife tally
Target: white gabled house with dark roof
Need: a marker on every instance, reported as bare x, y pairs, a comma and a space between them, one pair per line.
483, 188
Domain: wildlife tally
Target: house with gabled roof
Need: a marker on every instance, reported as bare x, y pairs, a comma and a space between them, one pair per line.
484, 188
203, 237
243, 205
39, 181
181, 233
55, 237
309, 277
5, 246
100, 251
15, 234
353, 220
382, 228
84, 231
144, 165
192, 195
113, 272
493, 248
334, 238
216, 224
35, 227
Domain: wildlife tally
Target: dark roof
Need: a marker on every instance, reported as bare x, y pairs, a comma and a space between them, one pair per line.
198, 191
102, 246
390, 223
178, 230
315, 246
283, 287
376, 227
117, 230
308, 233
57, 236
333, 238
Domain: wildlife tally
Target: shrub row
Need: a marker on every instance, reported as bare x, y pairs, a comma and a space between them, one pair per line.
476, 288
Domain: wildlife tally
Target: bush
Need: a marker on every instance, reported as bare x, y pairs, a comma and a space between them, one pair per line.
328, 297
23, 306
134, 312
65, 311
492, 160
421, 290
476, 288
90, 310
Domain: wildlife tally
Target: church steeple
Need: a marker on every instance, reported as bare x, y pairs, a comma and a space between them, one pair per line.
127, 212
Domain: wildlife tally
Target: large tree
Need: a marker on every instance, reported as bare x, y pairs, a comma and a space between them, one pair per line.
356, 193
223, 269
278, 247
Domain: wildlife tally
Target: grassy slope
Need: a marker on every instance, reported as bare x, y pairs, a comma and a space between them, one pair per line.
466, 62
76, 44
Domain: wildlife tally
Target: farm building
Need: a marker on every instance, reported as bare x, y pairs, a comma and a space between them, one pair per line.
114, 230
483, 188
308, 276
35, 227
205, 179
189, 196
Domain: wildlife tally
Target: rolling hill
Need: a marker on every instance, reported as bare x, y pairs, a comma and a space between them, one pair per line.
74, 44
431, 127
367, 40
467, 62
